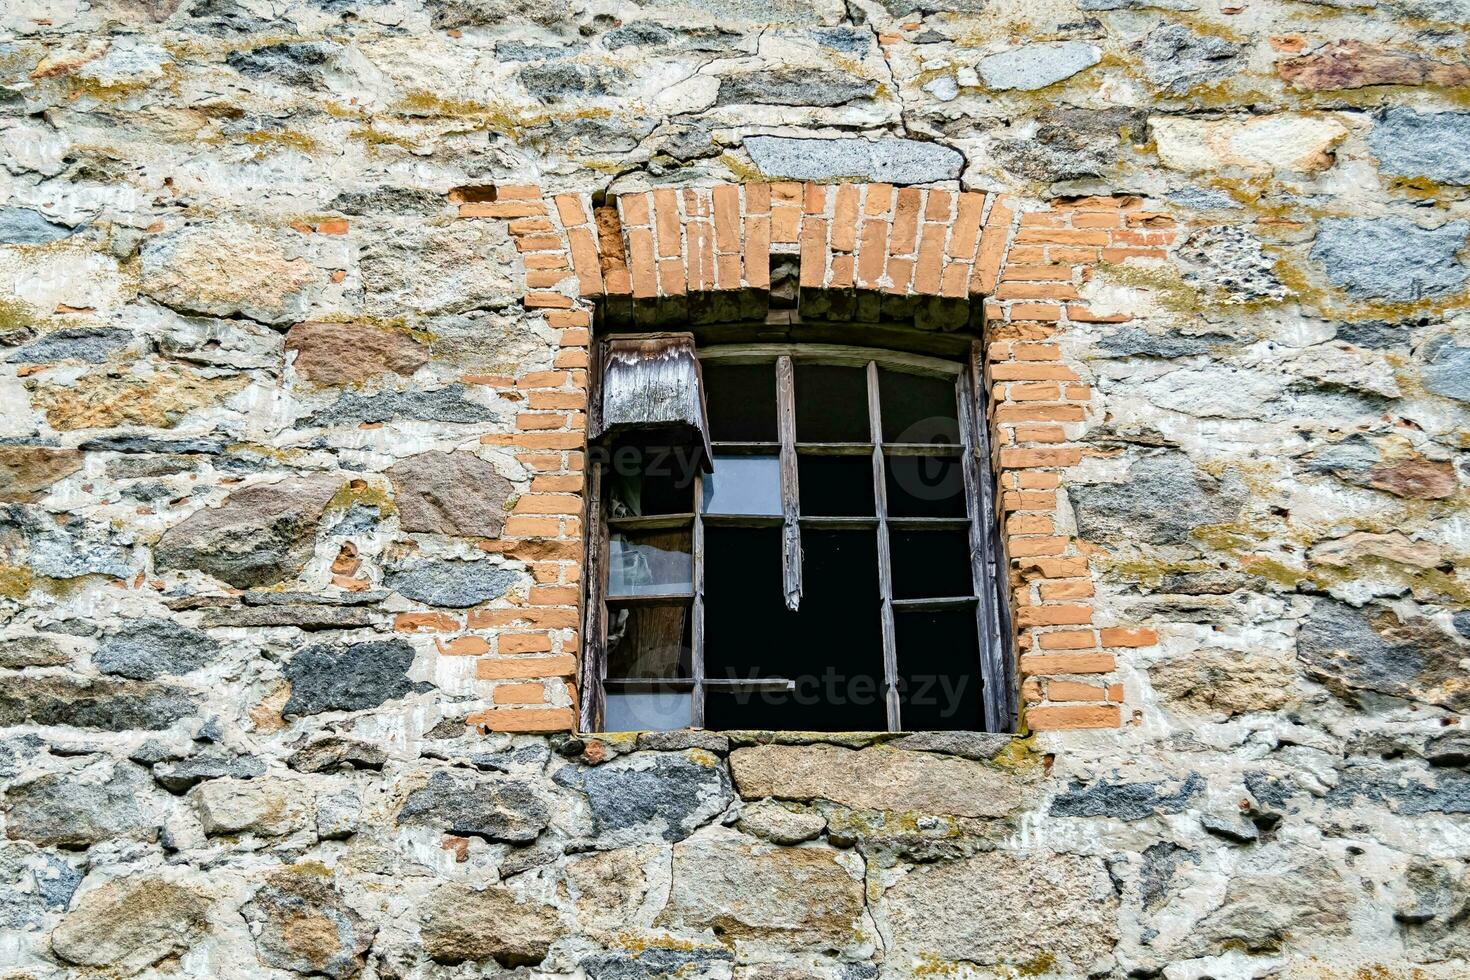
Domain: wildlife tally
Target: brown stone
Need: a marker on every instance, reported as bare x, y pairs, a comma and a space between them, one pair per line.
26, 471
450, 493
159, 399
1356, 64
789, 898
349, 353
879, 778
462, 925
1419, 478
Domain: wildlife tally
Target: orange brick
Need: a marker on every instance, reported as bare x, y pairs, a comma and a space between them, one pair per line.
576, 337
507, 643
1067, 640
524, 719
666, 218
1073, 716
426, 622
1036, 352
332, 226
535, 440
1036, 273
527, 421
1032, 371
758, 198
1040, 433
1029, 392
532, 527
1117, 636
938, 206
1073, 691
1030, 524
966, 230
905, 222
642, 268
993, 240
1032, 480
520, 668
1031, 500
757, 251
1039, 413
1031, 547
548, 503
546, 260
727, 217
569, 209
571, 357
929, 266
519, 693
1067, 663
1022, 458
554, 596
844, 219
557, 399
814, 198
530, 226
1060, 291
539, 243
1044, 312
1062, 236
518, 192
571, 483
539, 616
501, 209
1054, 616
1098, 219
563, 319
1080, 589
463, 646
1074, 567
879, 199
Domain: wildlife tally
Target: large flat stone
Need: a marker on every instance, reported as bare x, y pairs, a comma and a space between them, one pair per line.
450, 493
1035, 66
1372, 651
257, 536
1040, 912
748, 892
67, 811
301, 923
461, 924
1391, 258
350, 353
879, 778
651, 795
132, 923
894, 161
1288, 141
349, 678
87, 703
1435, 145
27, 471
226, 269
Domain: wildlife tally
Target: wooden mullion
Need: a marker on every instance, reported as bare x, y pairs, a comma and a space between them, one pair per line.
696, 630
594, 566
997, 688
790, 495
885, 562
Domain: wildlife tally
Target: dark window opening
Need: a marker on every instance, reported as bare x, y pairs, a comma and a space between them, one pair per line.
830, 565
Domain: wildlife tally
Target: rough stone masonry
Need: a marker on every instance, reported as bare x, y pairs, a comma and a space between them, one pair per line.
294, 304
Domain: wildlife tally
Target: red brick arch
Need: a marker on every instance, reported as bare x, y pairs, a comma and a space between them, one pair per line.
646, 252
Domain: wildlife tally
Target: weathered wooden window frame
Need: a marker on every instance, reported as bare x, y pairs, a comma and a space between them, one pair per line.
982, 517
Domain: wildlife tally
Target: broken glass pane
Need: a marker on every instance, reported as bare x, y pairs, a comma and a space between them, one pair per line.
647, 711
918, 408
648, 641
649, 563
744, 485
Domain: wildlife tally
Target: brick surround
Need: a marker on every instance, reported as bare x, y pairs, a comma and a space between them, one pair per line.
655, 257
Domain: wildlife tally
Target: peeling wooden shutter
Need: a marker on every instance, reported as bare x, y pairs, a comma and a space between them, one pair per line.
653, 393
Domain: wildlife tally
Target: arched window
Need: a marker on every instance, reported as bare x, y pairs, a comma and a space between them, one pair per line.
792, 537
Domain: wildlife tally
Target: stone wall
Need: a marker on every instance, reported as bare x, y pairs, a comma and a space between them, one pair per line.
290, 475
